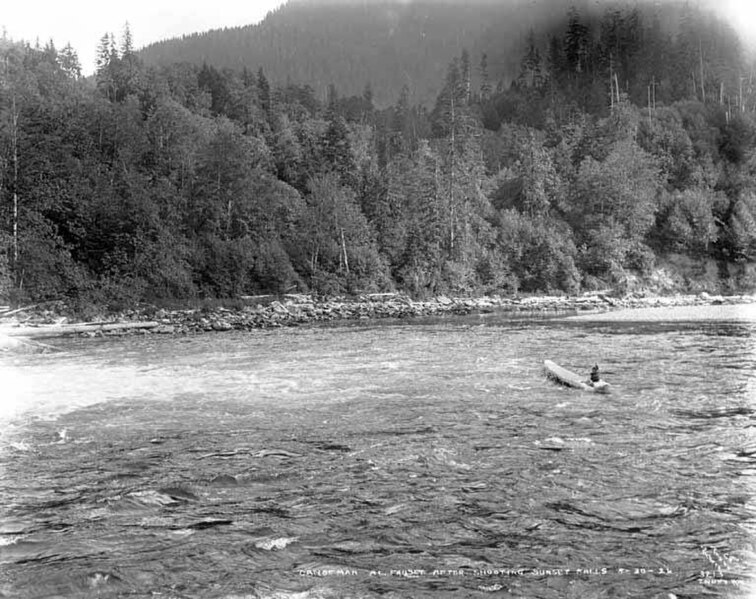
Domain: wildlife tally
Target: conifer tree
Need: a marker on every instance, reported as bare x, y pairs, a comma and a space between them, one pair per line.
263, 88
485, 83
105, 66
337, 151
69, 62
576, 43
531, 69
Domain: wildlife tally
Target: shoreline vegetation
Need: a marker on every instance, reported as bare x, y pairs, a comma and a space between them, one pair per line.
21, 328
611, 142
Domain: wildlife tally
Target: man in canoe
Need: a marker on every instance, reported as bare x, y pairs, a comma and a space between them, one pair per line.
595, 376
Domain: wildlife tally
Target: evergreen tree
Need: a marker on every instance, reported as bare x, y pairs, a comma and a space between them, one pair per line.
415, 193
105, 66
541, 184
576, 44
462, 170
531, 72
127, 42
465, 76
263, 90
69, 62
368, 108
127, 71
485, 83
555, 61
337, 152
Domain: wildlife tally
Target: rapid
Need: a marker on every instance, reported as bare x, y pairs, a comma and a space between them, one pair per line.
420, 458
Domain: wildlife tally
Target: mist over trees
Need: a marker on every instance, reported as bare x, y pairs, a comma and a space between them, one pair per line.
621, 137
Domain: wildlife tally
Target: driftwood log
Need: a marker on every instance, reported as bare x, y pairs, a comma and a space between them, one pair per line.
24, 346
72, 329
6, 310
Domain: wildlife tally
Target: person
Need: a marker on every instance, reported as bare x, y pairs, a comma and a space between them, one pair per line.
595, 376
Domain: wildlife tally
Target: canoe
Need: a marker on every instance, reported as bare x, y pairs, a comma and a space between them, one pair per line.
570, 379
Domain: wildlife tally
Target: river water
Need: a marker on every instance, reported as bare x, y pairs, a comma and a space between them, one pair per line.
384, 459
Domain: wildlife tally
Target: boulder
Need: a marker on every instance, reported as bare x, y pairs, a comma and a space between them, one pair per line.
278, 307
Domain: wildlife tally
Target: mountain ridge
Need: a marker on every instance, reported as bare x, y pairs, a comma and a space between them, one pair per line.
384, 43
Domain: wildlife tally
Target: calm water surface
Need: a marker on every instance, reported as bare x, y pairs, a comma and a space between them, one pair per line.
421, 459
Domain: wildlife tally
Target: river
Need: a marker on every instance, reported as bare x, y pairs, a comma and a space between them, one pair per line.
423, 458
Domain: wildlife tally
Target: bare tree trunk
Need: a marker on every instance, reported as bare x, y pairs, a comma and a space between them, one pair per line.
611, 84
700, 57
653, 92
14, 143
451, 179
71, 329
229, 209
344, 250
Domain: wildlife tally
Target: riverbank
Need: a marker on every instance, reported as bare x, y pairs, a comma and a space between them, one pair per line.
260, 312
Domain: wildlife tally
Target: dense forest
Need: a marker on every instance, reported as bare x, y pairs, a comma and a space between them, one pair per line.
618, 141
385, 43
390, 44
349, 44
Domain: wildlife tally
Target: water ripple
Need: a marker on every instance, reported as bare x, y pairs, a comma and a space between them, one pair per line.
408, 461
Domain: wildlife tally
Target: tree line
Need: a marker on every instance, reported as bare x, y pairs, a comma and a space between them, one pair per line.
187, 181
348, 44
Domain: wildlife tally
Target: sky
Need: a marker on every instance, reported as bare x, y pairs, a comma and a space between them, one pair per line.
742, 16
83, 22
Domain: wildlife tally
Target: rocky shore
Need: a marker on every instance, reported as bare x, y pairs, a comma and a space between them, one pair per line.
260, 312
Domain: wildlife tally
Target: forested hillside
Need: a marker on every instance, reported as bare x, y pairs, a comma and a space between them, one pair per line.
617, 141
384, 43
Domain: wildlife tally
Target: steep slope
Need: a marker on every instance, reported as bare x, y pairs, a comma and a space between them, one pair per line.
387, 44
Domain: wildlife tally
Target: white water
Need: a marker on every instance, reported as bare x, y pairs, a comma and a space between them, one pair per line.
708, 313
415, 460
